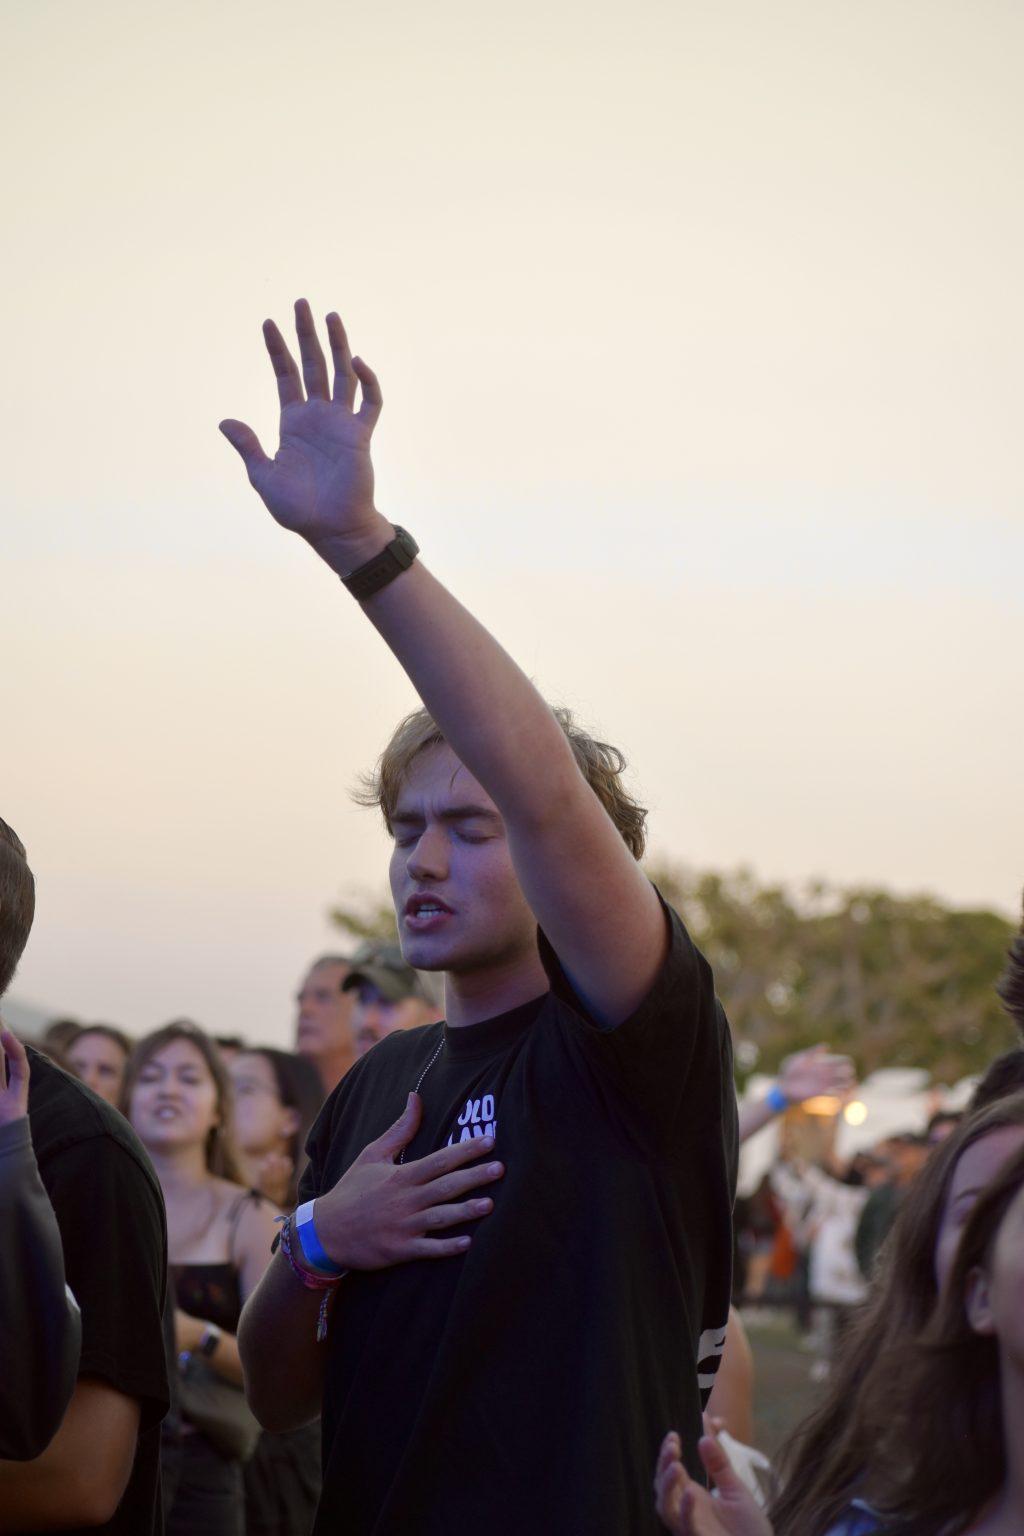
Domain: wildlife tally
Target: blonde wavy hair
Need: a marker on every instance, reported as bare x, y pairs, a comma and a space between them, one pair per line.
600, 764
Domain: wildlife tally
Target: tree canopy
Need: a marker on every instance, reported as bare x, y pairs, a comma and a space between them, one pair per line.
889, 980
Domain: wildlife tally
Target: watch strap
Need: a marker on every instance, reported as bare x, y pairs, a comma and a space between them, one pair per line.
209, 1340
393, 559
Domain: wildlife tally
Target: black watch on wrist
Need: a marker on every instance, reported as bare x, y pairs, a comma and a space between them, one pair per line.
393, 559
209, 1340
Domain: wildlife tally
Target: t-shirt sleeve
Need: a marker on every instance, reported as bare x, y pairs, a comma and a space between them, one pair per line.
672, 1058
41, 1323
112, 1227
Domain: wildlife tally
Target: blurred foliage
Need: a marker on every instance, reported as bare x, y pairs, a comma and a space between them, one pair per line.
367, 920
889, 980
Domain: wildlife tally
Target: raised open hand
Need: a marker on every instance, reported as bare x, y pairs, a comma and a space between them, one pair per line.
813, 1071
320, 481
687, 1509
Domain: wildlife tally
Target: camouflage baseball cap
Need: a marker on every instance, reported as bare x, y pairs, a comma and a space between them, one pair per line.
385, 970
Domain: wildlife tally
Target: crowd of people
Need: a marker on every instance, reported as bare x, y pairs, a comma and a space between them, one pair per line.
466, 1261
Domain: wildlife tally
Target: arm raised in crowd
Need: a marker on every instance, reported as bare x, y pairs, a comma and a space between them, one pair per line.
599, 911
802, 1076
379, 1213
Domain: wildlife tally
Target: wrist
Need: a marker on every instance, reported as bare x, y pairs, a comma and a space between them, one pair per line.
345, 553
313, 1251
209, 1340
188, 1332
777, 1099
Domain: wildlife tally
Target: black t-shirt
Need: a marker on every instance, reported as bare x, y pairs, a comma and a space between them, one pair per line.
110, 1213
526, 1385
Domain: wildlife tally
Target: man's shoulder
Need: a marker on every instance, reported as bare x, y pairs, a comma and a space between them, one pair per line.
684, 980
64, 1113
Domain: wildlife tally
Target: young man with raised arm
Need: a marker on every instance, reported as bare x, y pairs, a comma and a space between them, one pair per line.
516, 1375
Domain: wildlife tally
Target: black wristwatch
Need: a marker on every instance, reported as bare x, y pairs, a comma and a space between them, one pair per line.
393, 559
209, 1340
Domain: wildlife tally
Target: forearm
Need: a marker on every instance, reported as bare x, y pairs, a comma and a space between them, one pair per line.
282, 1362
81, 1476
488, 711
752, 1117
225, 1360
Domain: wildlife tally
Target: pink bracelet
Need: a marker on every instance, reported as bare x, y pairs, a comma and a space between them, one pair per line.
311, 1279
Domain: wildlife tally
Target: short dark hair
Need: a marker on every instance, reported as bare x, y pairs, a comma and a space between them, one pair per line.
1011, 983
17, 902
109, 1032
1004, 1076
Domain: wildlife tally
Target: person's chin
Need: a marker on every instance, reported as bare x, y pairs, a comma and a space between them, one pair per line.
430, 952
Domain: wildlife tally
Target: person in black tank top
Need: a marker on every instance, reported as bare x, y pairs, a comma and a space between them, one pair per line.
178, 1097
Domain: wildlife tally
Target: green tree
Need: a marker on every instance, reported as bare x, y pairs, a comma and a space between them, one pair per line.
890, 980
367, 918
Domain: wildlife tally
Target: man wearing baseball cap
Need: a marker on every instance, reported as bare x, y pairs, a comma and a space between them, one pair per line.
390, 995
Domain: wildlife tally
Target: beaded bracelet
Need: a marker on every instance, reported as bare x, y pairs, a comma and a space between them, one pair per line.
308, 1277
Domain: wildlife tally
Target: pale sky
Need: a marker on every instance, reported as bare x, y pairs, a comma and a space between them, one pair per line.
700, 332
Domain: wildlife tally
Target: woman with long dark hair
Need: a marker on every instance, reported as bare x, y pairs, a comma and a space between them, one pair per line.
949, 1453
947, 1439
177, 1095
823, 1467
278, 1095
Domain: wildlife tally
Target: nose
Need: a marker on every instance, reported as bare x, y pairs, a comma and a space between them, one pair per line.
428, 857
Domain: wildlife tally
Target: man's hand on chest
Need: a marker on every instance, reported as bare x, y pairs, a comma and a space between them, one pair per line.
382, 1213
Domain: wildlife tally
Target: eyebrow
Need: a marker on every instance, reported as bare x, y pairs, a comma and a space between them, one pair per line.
453, 813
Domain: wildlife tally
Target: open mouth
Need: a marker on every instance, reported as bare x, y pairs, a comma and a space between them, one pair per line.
424, 912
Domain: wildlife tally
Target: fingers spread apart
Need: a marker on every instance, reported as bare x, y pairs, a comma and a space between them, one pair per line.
289, 383
314, 364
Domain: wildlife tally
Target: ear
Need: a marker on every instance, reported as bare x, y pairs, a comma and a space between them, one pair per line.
978, 1302
289, 1122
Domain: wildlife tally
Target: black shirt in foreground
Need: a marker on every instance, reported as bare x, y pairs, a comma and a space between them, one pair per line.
42, 1327
525, 1386
110, 1213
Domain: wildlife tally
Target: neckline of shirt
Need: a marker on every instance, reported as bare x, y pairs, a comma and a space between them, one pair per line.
492, 1035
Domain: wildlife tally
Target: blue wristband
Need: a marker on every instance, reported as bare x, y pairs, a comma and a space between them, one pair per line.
313, 1250
776, 1100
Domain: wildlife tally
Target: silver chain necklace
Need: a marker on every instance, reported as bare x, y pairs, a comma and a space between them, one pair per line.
419, 1083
